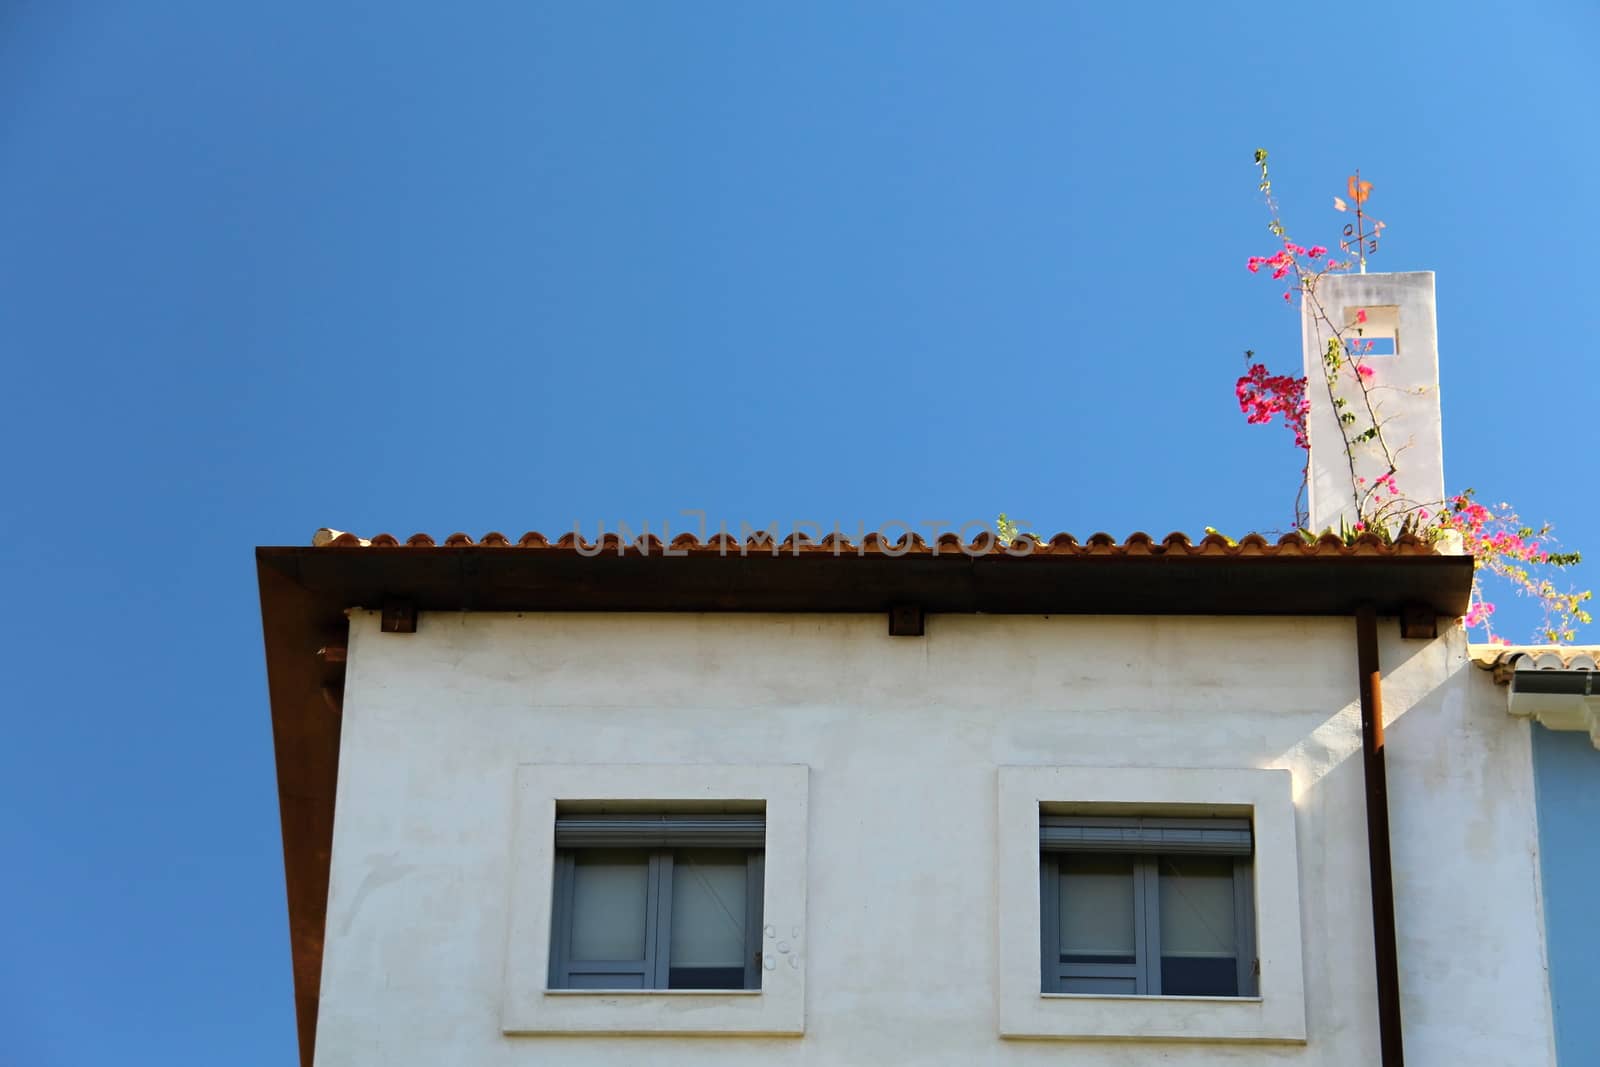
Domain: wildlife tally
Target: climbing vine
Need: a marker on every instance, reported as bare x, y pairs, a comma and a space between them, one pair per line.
1505, 550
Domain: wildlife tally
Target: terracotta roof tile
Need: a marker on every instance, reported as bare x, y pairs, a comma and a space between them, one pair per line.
1062, 544
1503, 660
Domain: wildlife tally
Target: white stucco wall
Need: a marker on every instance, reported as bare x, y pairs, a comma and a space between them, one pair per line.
903, 738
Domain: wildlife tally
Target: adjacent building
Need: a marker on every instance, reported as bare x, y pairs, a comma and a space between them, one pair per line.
1558, 689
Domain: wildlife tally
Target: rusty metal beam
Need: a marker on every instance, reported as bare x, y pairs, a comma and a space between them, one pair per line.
1385, 949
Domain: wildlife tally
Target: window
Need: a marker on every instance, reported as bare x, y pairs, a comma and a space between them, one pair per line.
1146, 906
664, 901
625, 900
1114, 893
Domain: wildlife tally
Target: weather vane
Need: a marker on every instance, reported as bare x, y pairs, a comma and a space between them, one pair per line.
1357, 237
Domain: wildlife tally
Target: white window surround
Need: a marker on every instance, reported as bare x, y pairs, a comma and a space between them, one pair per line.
778, 1008
1278, 1014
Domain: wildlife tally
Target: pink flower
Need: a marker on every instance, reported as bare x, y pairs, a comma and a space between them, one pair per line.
1262, 395
1365, 371
1286, 296
1317, 252
1361, 315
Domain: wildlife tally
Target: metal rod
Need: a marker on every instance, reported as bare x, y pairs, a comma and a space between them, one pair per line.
1384, 951
1361, 238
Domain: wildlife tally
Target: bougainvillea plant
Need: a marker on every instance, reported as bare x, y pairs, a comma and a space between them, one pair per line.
1505, 550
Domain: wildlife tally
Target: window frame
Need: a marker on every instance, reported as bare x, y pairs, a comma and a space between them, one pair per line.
655, 969
530, 1006
1276, 1014
1145, 971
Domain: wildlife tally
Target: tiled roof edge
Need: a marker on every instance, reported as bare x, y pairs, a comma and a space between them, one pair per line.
1503, 660
1062, 544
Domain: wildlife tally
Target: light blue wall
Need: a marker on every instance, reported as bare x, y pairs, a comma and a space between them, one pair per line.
1567, 775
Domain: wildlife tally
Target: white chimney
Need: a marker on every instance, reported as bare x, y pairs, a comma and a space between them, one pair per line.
1403, 388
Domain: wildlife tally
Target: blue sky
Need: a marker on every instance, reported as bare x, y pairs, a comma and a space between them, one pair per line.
408, 267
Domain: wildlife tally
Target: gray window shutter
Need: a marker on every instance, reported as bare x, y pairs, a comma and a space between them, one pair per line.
569, 971
1069, 964
1067, 972
593, 857
585, 830
1083, 833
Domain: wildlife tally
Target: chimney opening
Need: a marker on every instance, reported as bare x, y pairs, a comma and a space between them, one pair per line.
1372, 330
1360, 345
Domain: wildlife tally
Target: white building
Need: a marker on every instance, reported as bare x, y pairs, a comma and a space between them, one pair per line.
922, 803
